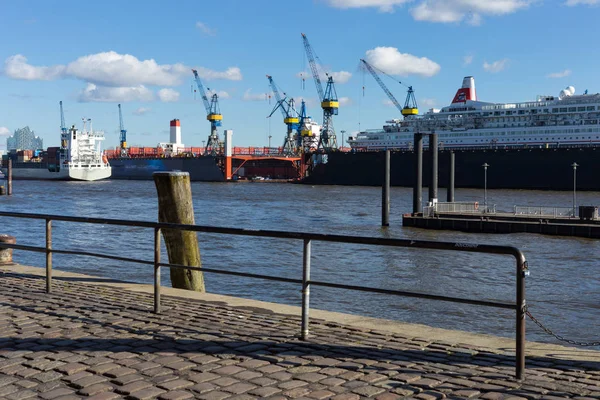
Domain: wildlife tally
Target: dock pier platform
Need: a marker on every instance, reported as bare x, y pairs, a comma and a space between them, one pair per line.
504, 222
98, 338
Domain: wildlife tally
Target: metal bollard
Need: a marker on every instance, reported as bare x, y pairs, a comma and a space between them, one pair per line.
6, 254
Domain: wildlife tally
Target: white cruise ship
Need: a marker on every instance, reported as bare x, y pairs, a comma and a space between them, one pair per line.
567, 119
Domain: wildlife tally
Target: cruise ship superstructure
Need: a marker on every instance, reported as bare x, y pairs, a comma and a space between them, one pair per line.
566, 119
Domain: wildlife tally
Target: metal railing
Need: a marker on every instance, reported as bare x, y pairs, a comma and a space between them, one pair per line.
542, 211
307, 238
458, 208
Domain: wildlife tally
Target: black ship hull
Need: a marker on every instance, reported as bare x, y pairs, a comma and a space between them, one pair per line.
522, 168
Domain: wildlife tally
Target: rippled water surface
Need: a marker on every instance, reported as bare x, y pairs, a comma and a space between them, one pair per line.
563, 290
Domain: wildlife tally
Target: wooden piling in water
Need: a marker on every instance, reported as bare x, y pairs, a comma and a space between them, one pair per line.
175, 206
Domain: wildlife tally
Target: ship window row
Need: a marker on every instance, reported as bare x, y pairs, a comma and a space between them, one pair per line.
536, 110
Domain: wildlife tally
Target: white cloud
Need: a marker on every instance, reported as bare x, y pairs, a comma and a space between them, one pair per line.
341, 76
427, 102
168, 95
231, 74
472, 11
345, 101
572, 3
221, 93
382, 5
16, 67
447, 11
206, 29
4, 131
115, 94
560, 74
113, 69
142, 111
249, 96
338, 77
496, 66
391, 61
467, 60
309, 102
388, 102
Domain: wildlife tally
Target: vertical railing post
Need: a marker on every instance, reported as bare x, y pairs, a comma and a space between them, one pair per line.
157, 270
305, 289
48, 255
521, 308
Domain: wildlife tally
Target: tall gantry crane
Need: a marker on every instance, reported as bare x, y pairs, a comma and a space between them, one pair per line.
213, 115
410, 105
328, 98
290, 117
123, 134
64, 134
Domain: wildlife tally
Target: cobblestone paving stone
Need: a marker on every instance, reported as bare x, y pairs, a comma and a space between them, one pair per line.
100, 342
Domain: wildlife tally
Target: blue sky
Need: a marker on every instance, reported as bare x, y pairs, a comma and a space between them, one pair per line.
94, 55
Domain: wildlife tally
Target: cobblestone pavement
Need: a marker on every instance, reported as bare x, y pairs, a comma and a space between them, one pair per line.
106, 343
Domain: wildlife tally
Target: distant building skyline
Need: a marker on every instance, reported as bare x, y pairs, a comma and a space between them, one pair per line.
24, 139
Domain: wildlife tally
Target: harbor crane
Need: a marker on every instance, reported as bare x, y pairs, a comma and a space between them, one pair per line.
123, 136
290, 117
63, 126
328, 98
213, 115
410, 105
64, 134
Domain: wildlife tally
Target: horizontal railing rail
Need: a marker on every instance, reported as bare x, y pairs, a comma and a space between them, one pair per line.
521, 265
464, 207
545, 211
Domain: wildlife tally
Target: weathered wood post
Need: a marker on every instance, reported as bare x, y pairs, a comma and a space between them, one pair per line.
175, 206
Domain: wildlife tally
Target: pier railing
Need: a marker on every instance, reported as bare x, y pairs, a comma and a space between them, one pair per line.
543, 211
464, 207
521, 271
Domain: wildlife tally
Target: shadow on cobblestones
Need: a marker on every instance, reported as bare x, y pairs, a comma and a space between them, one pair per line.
88, 340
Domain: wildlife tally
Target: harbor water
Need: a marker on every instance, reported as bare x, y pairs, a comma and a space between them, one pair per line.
563, 290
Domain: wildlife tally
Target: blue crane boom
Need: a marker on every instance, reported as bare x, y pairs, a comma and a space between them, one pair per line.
290, 117
410, 105
213, 115
123, 138
63, 126
329, 100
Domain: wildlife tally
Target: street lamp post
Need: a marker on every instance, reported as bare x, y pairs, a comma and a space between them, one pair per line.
485, 167
574, 165
342, 146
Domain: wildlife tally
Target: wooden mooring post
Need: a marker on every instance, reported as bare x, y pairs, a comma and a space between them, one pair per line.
175, 206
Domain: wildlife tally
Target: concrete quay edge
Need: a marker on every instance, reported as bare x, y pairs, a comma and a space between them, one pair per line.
493, 343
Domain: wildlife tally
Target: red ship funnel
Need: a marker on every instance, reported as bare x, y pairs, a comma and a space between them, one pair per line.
466, 92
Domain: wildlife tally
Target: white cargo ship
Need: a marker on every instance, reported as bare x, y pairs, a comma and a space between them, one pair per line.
566, 119
79, 157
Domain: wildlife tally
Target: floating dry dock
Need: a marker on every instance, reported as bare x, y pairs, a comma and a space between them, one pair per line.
487, 220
